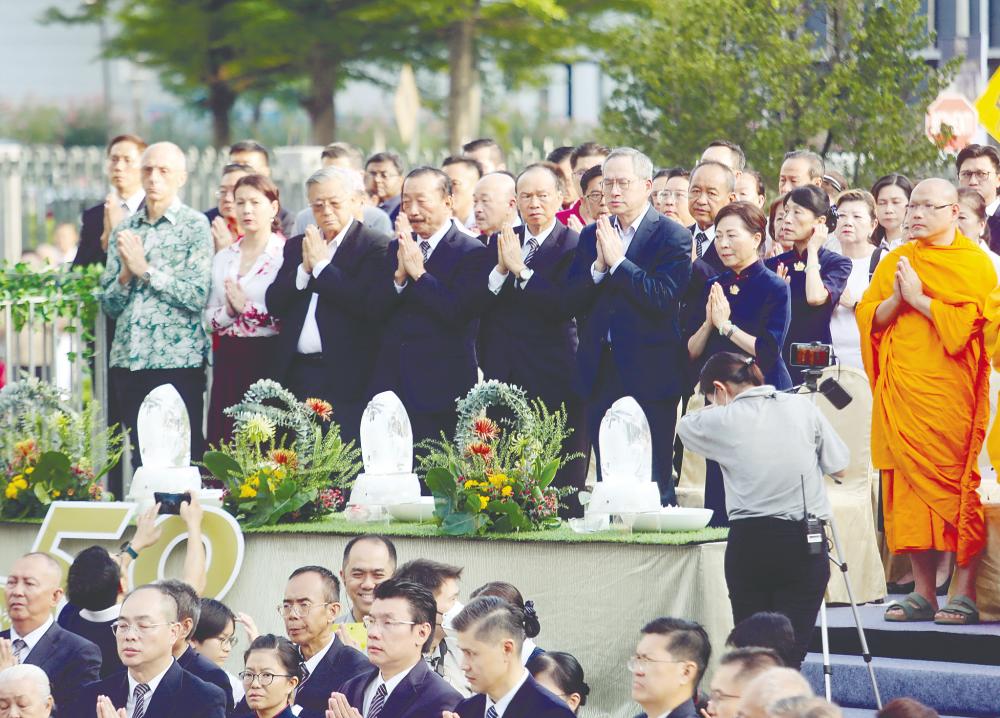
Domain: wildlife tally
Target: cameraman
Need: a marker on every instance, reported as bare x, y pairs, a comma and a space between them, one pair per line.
774, 449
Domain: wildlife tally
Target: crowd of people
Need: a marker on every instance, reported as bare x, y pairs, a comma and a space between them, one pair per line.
118, 651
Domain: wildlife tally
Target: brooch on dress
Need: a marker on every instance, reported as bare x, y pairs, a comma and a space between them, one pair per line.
799, 266
734, 289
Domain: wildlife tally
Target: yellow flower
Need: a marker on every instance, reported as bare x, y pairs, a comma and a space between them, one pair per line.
18, 477
507, 491
56, 494
279, 474
483, 502
254, 481
498, 480
259, 428
470, 484
20, 483
30, 470
247, 491
11, 491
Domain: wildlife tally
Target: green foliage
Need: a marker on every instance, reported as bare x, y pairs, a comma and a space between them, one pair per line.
757, 75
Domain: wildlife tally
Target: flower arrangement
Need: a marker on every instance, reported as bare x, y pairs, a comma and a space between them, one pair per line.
50, 451
496, 476
286, 461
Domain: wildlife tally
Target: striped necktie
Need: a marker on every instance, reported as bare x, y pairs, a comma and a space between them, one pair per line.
700, 239
20, 649
139, 709
425, 249
378, 702
532, 248
491, 712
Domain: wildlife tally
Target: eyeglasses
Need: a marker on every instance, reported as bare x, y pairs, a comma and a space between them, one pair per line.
595, 196
381, 175
980, 175
230, 641
927, 207
665, 195
264, 679
609, 184
385, 623
122, 629
718, 696
637, 663
298, 609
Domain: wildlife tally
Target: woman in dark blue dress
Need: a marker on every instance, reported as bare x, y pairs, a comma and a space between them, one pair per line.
816, 276
745, 310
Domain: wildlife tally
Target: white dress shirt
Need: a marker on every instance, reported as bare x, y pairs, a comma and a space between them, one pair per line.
390, 686
309, 339
102, 616
254, 321
131, 203
502, 704
468, 226
313, 662
32, 638
527, 648
992, 207
152, 683
433, 240
497, 280
627, 234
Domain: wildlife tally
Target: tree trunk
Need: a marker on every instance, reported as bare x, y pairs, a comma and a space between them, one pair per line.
464, 98
221, 99
319, 102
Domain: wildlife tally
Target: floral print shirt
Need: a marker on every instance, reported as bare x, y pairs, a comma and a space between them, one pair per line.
159, 321
255, 320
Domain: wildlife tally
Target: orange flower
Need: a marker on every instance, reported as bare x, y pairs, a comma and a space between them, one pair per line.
485, 429
479, 449
284, 457
321, 408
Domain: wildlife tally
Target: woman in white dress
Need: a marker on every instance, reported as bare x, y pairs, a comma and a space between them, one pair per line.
856, 221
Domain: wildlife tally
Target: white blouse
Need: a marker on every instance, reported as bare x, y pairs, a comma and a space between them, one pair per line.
255, 320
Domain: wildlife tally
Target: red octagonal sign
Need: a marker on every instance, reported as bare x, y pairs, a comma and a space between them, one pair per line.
954, 111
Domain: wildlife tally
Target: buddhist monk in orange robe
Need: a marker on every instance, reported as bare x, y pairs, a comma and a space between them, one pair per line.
921, 322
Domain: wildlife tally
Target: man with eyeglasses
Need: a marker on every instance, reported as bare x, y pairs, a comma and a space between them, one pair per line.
625, 287
401, 684
978, 167
153, 684
384, 180
581, 159
32, 594
668, 664
736, 669
923, 349
670, 194
327, 344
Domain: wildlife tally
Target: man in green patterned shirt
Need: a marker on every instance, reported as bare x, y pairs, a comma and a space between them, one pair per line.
156, 285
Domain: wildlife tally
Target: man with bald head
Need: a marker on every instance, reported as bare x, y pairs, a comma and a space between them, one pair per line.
327, 343
33, 591
770, 687
493, 203
25, 692
922, 344
155, 285
528, 338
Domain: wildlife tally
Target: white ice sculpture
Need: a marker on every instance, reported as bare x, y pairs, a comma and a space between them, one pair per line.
387, 453
626, 484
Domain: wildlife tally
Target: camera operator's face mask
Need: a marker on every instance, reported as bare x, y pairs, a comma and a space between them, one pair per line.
721, 396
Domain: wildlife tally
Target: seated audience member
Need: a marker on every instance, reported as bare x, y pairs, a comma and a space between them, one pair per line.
188, 613
668, 664
271, 674
804, 707
153, 683
225, 228
766, 629
32, 593
561, 674
768, 688
906, 708
494, 203
511, 595
25, 692
400, 684
442, 581
487, 152
490, 634
369, 560
736, 669
214, 637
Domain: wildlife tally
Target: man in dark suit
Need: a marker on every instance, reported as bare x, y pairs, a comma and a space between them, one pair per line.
667, 666
712, 186
328, 340
978, 168
490, 635
625, 287
33, 592
428, 300
528, 336
188, 613
153, 684
401, 684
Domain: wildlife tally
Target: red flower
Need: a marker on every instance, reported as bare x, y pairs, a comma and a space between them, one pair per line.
284, 457
321, 408
479, 449
486, 429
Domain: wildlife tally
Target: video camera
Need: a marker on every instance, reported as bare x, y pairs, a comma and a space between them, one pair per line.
812, 358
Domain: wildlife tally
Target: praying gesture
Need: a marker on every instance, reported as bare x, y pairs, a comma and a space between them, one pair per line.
609, 245
717, 309
133, 255
509, 251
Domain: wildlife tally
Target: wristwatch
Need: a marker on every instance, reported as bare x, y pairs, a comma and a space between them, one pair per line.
127, 548
525, 274
727, 329
147, 275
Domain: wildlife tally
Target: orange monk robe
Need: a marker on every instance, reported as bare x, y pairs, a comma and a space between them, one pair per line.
930, 379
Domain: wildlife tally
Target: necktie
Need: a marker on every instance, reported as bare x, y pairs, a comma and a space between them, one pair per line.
532, 248
378, 702
139, 709
425, 249
700, 238
20, 649
305, 672
491, 712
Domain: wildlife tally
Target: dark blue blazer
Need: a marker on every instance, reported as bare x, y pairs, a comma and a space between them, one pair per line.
200, 667
97, 632
68, 660
347, 330
528, 336
89, 251
530, 701
639, 304
428, 350
178, 694
684, 710
422, 694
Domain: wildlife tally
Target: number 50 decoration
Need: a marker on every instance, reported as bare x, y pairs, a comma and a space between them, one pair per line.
107, 521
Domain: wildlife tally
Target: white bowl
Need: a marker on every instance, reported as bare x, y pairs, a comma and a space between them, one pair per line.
672, 518
413, 511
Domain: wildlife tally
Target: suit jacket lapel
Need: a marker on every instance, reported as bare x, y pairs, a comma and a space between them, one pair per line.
166, 692
349, 245
642, 234
45, 647
407, 690
357, 699
444, 256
